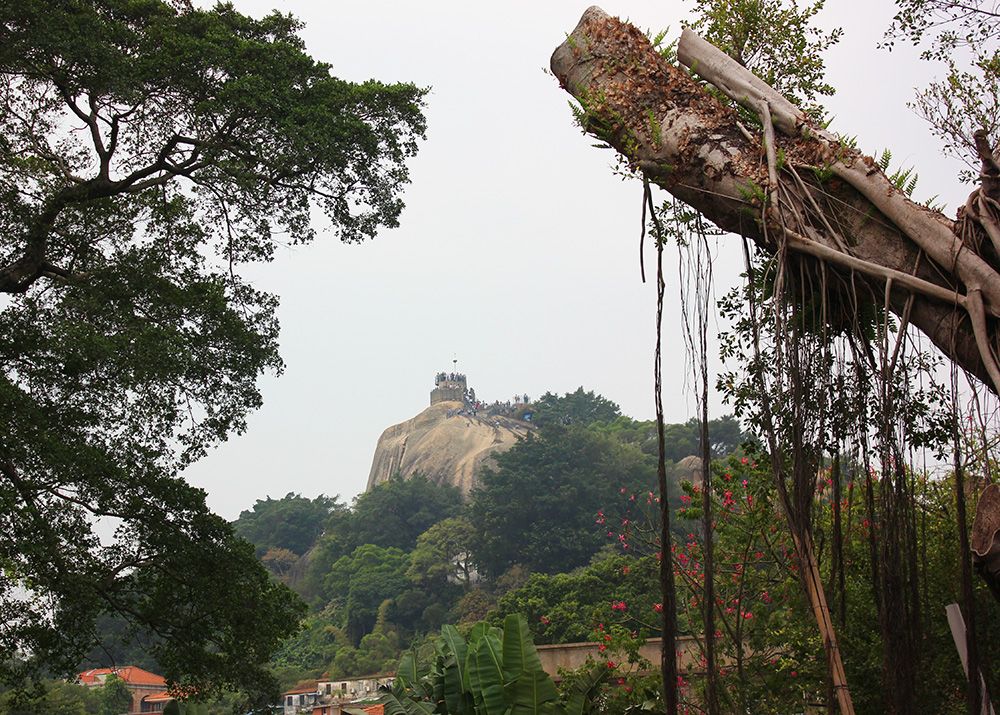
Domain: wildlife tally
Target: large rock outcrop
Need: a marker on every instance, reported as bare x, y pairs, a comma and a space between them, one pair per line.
443, 445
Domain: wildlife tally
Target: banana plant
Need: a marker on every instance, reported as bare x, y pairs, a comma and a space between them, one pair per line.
491, 671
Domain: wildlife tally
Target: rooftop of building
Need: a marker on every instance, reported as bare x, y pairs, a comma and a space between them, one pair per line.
131, 674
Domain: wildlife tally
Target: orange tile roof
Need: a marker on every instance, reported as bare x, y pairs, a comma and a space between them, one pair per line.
378, 709
158, 697
131, 674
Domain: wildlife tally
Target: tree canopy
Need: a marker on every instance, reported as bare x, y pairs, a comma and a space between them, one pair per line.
576, 407
148, 149
293, 522
538, 506
357, 584
395, 513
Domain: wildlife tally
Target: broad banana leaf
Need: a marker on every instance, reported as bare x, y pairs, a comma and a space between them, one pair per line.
407, 673
404, 706
583, 691
486, 676
519, 654
533, 693
455, 676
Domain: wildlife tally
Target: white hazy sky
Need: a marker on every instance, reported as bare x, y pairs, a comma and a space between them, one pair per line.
517, 251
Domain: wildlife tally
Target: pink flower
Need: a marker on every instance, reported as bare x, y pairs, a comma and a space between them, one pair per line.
619, 606
658, 607
545, 620
793, 673
612, 664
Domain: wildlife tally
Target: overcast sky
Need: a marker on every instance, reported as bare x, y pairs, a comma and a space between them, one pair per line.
517, 251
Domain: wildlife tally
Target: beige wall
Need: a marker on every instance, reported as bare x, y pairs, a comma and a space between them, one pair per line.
570, 656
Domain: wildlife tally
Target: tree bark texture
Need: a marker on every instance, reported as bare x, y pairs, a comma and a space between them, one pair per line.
804, 190
986, 538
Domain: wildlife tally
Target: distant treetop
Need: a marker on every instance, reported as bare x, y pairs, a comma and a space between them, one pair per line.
579, 407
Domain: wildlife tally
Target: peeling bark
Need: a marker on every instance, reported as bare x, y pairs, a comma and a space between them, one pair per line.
669, 127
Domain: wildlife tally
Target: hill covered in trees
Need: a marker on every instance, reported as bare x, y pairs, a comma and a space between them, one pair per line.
562, 530
411, 554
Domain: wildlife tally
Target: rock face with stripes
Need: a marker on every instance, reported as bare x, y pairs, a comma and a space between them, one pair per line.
448, 443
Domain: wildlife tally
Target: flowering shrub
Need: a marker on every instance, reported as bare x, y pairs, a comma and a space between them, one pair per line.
759, 605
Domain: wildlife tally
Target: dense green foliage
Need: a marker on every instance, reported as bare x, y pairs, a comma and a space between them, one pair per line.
292, 522
356, 585
538, 506
579, 407
492, 670
56, 698
148, 150
398, 511
443, 555
405, 558
391, 515
683, 439
762, 35
120, 643
115, 697
565, 607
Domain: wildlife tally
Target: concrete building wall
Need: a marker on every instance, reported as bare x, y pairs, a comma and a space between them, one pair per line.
569, 656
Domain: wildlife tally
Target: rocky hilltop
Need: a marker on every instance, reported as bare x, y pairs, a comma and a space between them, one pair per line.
450, 440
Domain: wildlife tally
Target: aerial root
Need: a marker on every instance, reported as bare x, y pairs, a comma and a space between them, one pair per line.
986, 219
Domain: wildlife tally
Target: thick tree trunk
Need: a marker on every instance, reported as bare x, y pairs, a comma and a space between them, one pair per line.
986, 538
819, 198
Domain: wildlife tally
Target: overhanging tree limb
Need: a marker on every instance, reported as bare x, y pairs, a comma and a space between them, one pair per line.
804, 196
672, 128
